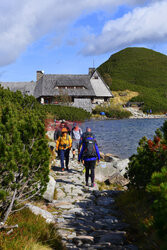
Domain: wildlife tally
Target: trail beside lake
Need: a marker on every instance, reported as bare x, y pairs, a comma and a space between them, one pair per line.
86, 217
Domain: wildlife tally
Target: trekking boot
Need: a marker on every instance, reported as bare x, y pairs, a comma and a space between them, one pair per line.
87, 184
62, 169
93, 184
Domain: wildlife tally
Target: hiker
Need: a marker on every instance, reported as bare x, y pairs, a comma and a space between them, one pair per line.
64, 144
84, 135
76, 133
89, 154
58, 133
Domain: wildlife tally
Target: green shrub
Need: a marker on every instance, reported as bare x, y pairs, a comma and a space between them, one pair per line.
158, 187
24, 158
151, 156
67, 113
112, 112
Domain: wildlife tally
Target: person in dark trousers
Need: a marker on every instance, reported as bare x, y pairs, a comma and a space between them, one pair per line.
64, 144
89, 154
58, 133
83, 136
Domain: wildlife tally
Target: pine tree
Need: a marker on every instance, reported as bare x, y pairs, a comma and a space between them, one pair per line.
24, 158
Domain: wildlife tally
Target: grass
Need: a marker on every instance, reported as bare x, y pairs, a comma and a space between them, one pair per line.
115, 108
33, 233
140, 70
122, 97
136, 209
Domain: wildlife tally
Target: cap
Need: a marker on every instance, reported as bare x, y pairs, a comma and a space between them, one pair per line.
64, 130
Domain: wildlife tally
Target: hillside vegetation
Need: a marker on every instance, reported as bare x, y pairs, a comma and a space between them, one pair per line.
141, 70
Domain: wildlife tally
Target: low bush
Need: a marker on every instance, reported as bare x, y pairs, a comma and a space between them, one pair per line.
151, 157
112, 112
136, 211
147, 172
67, 113
158, 187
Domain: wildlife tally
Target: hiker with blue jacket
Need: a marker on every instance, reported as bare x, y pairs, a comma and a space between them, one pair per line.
89, 154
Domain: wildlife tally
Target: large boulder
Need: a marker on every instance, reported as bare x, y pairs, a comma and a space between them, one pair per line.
49, 193
116, 179
104, 170
50, 134
121, 165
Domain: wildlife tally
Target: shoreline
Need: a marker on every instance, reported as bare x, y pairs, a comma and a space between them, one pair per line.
136, 114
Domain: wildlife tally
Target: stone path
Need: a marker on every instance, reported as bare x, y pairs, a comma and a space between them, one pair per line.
86, 217
137, 114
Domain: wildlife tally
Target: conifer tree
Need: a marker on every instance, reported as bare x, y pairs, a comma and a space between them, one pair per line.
24, 158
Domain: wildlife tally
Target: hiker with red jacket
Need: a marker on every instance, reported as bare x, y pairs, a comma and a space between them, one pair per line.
89, 154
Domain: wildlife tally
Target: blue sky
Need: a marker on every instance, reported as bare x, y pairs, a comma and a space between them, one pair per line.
68, 36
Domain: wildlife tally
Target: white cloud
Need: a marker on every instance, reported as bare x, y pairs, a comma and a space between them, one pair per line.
24, 21
144, 25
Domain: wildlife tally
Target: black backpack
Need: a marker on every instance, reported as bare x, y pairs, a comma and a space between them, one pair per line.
90, 150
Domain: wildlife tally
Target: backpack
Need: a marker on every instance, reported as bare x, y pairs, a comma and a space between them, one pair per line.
90, 150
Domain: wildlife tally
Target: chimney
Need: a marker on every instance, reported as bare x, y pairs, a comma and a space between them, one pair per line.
40, 73
91, 71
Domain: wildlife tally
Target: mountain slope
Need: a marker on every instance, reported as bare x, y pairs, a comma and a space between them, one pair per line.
142, 70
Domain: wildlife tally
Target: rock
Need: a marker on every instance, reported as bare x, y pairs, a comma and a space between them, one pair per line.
116, 179
121, 165
105, 201
49, 193
45, 214
52, 145
50, 134
108, 157
102, 155
60, 220
84, 239
103, 170
60, 194
116, 238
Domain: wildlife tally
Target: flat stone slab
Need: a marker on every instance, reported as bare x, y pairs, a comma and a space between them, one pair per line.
105, 201
45, 214
84, 239
116, 238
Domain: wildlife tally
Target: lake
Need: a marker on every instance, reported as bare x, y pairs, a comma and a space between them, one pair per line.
121, 137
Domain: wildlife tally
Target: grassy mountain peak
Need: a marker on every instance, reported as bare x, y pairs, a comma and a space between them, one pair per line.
141, 70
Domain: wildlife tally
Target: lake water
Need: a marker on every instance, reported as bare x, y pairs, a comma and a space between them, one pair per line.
121, 137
